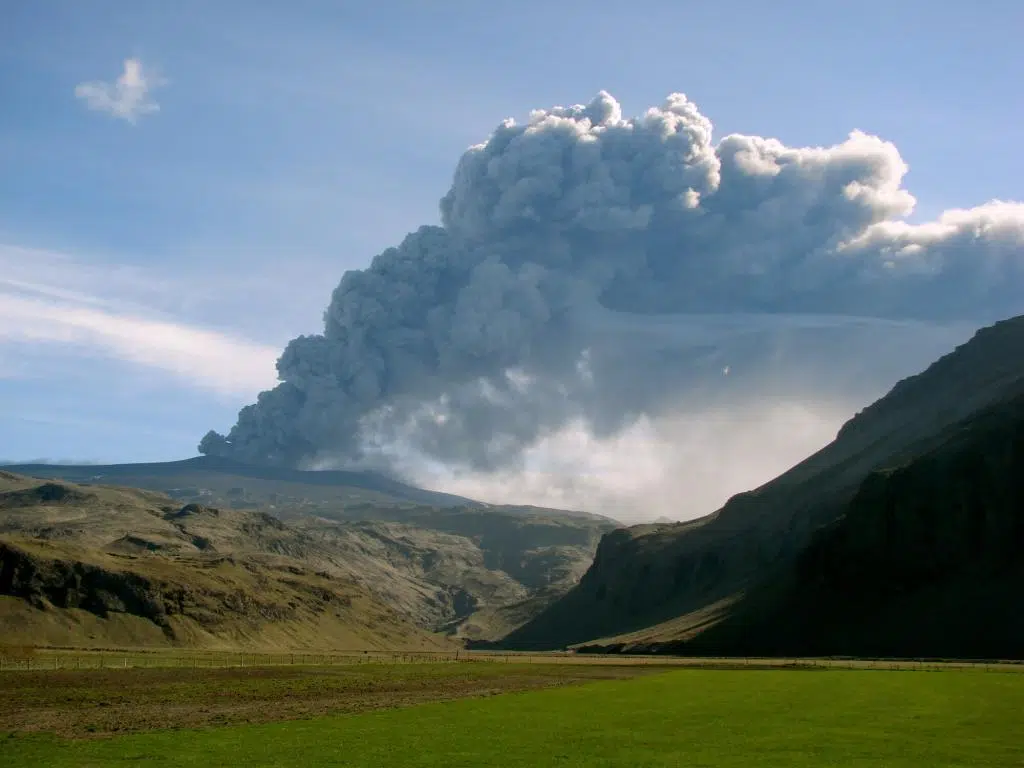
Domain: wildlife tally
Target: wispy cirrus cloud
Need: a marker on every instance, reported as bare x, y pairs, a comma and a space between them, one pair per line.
42, 307
127, 98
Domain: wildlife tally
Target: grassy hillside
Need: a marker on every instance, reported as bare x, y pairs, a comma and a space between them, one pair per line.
471, 570
61, 595
666, 586
108, 566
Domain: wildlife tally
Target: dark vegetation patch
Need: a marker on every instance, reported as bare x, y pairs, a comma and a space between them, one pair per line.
47, 493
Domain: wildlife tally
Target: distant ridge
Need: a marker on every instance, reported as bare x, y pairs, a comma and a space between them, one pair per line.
123, 474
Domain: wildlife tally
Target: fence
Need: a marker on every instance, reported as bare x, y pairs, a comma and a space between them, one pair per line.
39, 659
72, 659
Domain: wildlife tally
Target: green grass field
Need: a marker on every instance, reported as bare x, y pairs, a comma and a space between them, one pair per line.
686, 717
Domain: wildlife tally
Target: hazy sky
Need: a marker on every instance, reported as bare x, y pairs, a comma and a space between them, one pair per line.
182, 184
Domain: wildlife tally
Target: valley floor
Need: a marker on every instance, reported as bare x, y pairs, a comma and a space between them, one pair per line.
615, 714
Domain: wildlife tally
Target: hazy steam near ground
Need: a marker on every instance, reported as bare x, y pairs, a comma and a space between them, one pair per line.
624, 315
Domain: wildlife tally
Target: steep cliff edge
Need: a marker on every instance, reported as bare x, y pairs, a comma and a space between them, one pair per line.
705, 585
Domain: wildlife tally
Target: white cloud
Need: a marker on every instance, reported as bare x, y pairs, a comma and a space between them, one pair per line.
681, 465
128, 98
201, 357
197, 287
42, 308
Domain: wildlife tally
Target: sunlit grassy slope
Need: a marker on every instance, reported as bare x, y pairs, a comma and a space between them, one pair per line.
98, 565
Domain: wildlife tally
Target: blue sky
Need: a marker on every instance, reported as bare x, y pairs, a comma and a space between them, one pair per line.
151, 269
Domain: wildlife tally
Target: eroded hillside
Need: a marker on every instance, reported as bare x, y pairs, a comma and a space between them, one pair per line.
90, 560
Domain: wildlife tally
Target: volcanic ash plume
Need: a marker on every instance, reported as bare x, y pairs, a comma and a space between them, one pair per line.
596, 271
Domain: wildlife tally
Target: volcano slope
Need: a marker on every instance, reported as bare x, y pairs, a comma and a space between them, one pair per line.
82, 563
902, 537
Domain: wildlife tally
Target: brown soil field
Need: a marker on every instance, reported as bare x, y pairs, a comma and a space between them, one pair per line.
104, 702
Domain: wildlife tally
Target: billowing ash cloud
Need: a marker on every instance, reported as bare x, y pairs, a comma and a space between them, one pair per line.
594, 270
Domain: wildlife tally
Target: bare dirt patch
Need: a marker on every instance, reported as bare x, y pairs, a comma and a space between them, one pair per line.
91, 703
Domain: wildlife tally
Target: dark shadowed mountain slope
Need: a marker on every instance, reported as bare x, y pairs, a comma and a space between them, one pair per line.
732, 581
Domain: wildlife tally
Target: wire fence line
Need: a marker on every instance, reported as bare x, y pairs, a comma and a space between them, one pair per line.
68, 659
43, 659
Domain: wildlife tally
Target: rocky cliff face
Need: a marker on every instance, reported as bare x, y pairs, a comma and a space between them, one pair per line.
46, 579
55, 593
957, 507
705, 585
927, 560
46, 582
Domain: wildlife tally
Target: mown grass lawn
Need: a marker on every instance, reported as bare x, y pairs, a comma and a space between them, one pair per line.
679, 718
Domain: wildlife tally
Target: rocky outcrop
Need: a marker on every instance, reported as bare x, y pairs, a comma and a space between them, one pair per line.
58, 583
47, 493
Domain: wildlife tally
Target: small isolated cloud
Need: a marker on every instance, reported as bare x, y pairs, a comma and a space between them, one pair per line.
128, 98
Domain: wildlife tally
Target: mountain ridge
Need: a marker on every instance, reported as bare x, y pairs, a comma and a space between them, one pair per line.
366, 480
